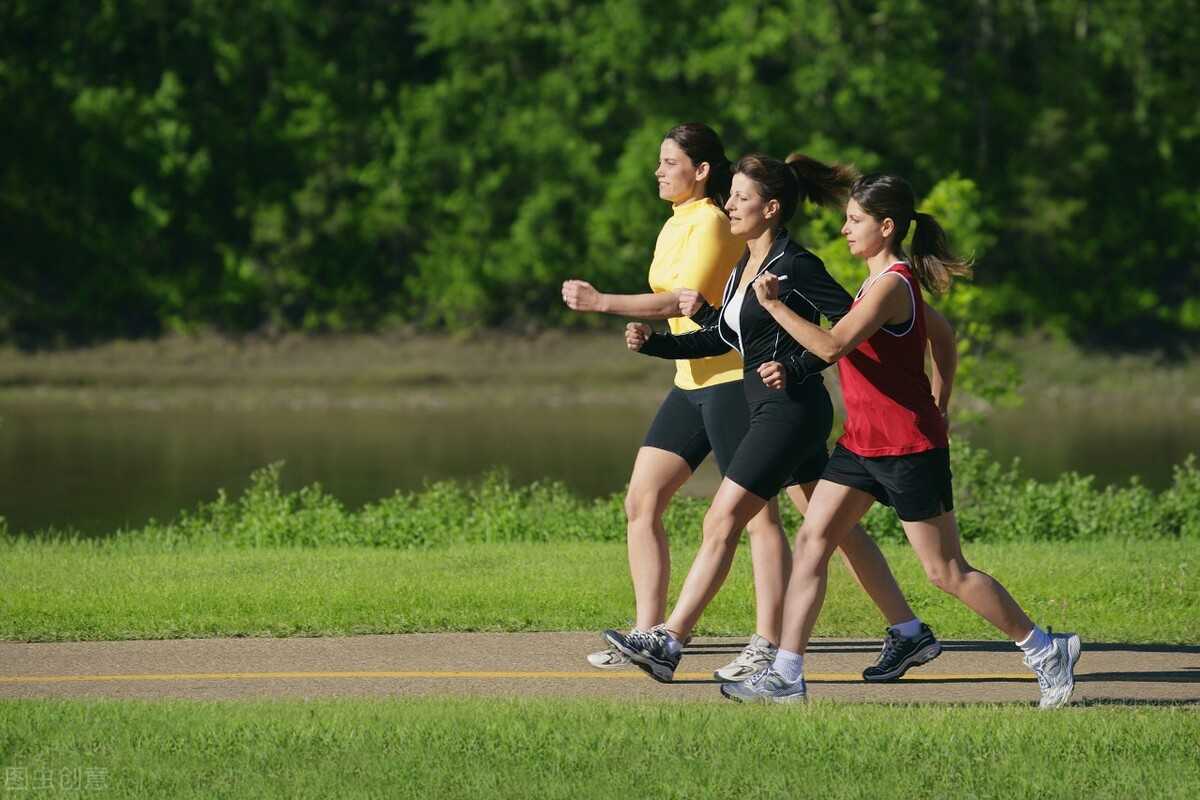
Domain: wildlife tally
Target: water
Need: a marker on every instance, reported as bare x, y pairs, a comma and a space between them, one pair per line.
98, 470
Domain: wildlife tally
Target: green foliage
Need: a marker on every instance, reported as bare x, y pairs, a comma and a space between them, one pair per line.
311, 166
993, 503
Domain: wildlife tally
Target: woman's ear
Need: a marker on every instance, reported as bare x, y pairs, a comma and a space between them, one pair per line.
702, 170
771, 209
887, 227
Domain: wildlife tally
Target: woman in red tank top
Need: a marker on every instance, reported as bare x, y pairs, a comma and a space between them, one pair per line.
895, 448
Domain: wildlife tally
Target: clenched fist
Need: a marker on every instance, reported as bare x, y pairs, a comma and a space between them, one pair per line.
773, 375
580, 296
636, 334
690, 301
766, 288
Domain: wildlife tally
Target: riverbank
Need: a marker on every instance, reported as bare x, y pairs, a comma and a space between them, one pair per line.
407, 370
111, 437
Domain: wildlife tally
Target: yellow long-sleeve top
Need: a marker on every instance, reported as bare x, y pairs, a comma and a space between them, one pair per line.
695, 250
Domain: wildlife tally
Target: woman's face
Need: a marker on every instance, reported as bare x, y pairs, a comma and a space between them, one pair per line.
749, 213
864, 234
678, 179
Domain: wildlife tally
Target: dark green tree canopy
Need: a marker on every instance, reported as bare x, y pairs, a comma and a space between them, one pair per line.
315, 165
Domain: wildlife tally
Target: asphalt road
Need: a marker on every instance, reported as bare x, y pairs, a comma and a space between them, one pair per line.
552, 664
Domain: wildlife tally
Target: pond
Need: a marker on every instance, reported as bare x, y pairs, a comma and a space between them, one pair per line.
96, 470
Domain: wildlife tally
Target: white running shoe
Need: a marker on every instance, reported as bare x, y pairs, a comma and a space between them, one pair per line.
767, 687
1056, 670
754, 660
609, 658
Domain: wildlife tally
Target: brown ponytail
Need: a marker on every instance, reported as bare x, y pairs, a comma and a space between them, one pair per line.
932, 261
799, 178
890, 197
823, 184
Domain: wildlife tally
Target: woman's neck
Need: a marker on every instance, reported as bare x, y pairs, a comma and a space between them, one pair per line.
879, 262
760, 245
697, 194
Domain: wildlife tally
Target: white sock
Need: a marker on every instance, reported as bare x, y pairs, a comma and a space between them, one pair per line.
908, 630
1036, 643
788, 664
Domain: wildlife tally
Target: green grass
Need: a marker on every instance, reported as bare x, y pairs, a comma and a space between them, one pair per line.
586, 748
1131, 592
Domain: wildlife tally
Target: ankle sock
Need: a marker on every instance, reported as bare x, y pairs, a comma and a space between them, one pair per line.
1036, 643
908, 630
788, 664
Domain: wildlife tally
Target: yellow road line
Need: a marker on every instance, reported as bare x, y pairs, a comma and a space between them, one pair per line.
816, 677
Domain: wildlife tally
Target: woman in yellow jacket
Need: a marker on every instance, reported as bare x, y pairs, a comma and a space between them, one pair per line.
706, 410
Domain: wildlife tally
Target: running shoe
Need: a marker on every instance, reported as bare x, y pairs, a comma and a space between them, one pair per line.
755, 659
1056, 670
648, 650
608, 658
766, 687
900, 654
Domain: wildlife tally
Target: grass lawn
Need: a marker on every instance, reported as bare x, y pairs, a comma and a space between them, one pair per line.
565, 748
1105, 590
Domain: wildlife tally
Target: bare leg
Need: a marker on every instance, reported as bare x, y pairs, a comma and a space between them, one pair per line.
866, 563
834, 510
731, 509
940, 551
657, 476
772, 559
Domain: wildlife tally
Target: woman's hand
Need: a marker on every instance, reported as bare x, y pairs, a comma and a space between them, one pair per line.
581, 296
636, 335
690, 301
766, 288
773, 375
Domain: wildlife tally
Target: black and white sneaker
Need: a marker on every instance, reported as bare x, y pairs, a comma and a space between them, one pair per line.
649, 650
900, 654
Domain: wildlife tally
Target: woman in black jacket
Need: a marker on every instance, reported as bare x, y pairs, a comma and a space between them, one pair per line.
791, 415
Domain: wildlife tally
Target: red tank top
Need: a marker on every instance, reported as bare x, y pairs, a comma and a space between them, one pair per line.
890, 410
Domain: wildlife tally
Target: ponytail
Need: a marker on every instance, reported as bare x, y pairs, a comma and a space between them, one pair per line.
799, 178
890, 197
823, 184
720, 176
932, 260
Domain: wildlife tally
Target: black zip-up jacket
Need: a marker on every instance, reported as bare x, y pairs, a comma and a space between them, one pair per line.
805, 286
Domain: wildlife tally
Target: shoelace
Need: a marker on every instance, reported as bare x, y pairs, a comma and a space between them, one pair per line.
752, 654
890, 645
1042, 678
646, 640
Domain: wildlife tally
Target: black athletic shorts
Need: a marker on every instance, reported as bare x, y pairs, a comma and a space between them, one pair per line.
785, 444
916, 485
692, 422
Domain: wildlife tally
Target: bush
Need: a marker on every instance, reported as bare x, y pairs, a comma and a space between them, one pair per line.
993, 503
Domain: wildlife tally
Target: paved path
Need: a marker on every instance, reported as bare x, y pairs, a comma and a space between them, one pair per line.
551, 664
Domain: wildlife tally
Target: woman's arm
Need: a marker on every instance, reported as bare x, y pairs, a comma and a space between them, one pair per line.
885, 302
944, 352
582, 296
698, 344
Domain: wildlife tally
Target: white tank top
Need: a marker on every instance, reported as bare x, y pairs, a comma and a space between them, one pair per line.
733, 312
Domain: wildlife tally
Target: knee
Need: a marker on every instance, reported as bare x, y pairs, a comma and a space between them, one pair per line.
643, 505
812, 548
760, 528
720, 527
945, 575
